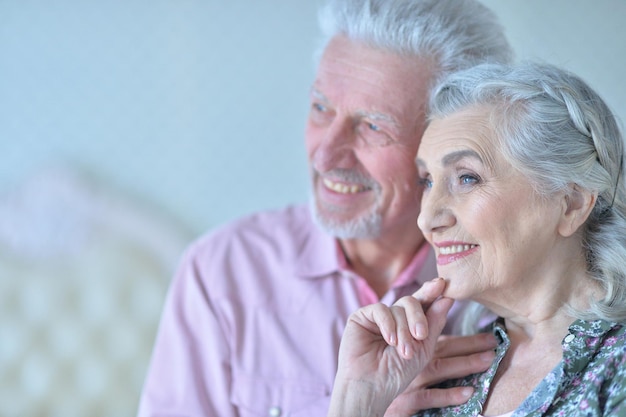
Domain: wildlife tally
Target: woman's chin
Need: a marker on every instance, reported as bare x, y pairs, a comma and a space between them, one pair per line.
455, 291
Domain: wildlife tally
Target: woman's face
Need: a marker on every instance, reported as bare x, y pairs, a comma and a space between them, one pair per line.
493, 235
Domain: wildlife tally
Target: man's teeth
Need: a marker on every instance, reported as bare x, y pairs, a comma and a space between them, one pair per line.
450, 250
342, 188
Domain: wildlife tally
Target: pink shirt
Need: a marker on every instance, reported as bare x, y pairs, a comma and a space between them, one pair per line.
253, 320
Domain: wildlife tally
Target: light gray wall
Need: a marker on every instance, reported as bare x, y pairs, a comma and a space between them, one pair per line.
198, 106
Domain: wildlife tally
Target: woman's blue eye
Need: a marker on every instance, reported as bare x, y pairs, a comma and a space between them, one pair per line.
319, 107
425, 182
468, 179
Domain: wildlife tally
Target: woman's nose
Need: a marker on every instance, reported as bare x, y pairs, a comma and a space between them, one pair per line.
436, 211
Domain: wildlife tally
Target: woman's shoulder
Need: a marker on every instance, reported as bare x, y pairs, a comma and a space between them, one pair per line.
594, 358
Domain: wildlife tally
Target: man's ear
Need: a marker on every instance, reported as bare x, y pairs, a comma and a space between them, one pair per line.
578, 205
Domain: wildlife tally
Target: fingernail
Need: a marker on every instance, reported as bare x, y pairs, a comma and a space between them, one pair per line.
487, 356
467, 392
420, 331
491, 339
406, 350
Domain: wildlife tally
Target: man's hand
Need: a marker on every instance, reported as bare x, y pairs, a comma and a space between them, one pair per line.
383, 349
455, 357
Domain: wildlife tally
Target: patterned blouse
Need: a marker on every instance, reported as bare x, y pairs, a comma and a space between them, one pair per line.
589, 381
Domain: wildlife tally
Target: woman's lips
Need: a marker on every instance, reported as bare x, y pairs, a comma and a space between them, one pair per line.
450, 252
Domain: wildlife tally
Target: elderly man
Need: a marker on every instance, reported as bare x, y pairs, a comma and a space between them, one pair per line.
254, 316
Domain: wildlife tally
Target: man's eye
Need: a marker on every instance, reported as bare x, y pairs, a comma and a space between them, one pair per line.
373, 127
373, 134
320, 115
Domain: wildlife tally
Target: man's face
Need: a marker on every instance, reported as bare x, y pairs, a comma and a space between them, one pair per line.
364, 127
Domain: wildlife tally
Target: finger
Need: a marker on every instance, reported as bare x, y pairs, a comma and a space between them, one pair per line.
415, 316
442, 369
405, 336
411, 402
436, 319
430, 291
437, 316
448, 346
418, 303
378, 319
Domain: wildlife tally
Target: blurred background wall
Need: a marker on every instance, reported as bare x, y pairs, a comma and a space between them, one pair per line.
128, 127
198, 106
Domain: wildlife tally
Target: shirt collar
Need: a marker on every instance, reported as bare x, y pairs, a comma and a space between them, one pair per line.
316, 257
583, 341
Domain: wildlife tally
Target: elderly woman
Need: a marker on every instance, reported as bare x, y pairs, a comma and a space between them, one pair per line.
525, 206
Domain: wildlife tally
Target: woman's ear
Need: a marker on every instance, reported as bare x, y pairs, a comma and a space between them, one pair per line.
578, 205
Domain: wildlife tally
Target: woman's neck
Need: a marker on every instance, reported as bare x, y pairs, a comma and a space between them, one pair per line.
534, 351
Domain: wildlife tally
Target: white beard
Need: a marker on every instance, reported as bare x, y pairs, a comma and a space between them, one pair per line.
366, 226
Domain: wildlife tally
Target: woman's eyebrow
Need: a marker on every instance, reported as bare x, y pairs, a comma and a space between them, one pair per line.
453, 157
456, 156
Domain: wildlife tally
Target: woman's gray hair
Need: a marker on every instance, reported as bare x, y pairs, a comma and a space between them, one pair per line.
453, 34
556, 130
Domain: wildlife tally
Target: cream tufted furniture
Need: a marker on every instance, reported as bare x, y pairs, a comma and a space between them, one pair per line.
83, 273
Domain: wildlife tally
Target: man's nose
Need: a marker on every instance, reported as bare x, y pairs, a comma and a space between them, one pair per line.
336, 147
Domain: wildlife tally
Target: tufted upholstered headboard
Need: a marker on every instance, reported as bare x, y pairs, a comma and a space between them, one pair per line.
83, 273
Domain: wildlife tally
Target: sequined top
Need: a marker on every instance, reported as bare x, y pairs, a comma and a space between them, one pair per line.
589, 381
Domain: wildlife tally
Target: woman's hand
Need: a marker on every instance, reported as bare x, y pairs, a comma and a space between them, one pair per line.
455, 357
384, 348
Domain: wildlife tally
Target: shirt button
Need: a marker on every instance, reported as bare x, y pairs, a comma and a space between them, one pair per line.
275, 411
569, 338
